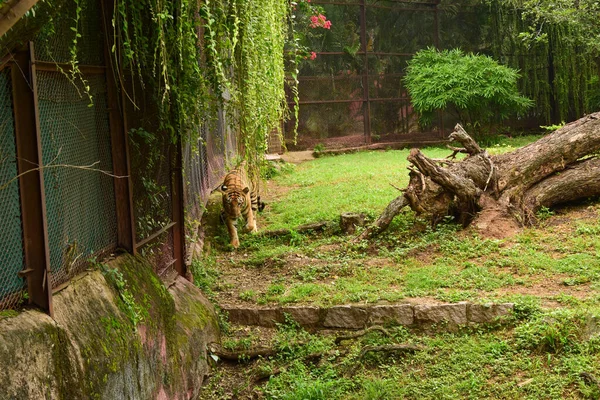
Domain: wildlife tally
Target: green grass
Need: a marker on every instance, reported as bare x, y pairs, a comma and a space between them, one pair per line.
550, 272
541, 356
410, 259
325, 187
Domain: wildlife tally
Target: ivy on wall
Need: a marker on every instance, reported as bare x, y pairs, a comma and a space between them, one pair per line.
201, 57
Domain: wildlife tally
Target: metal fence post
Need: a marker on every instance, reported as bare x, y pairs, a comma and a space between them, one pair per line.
118, 139
178, 209
31, 181
366, 94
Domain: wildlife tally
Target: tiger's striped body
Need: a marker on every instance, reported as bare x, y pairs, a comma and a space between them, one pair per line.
240, 198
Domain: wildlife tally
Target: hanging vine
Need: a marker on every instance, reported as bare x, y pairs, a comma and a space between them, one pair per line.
221, 54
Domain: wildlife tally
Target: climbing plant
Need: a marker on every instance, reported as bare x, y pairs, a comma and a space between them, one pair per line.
197, 58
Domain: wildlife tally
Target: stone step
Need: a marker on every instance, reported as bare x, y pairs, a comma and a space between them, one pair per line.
451, 315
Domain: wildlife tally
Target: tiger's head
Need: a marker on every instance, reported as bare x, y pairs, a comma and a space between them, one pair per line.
234, 200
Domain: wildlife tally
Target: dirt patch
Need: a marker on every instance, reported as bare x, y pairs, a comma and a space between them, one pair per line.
297, 157
493, 222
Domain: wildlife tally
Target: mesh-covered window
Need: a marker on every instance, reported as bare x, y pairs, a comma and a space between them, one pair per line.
11, 234
76, 153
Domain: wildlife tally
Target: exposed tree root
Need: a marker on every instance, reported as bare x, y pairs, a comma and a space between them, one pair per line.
558, 168
358, 334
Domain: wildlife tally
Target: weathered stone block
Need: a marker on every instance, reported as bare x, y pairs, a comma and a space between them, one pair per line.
402, 314
266, 317
348, 317
453, 314
482, 313
95, 348
305, 316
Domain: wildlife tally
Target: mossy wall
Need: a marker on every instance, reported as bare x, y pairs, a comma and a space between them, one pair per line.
94, 349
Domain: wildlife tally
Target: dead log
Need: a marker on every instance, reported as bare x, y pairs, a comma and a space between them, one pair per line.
558, 168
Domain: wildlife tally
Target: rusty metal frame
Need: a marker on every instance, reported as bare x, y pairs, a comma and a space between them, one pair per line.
118, 138
427, 6
31, 181
178, 216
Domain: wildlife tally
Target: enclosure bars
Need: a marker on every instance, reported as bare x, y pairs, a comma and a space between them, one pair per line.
31, 180
118, 136
367, 98
30, 169
365, 79
121, 161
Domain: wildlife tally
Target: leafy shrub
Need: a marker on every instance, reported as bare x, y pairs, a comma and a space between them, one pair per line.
475, 87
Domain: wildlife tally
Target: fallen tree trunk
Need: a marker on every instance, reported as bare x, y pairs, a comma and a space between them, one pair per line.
558, 168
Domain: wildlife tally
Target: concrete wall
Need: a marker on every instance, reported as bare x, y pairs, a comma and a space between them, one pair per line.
96, 347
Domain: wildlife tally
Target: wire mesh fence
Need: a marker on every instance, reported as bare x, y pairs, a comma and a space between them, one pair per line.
205, 162
152, 158
77, 159
352, 93
11, 234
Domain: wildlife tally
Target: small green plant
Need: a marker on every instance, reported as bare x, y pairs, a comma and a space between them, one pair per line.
552, 128
134, 311
8, 313
544, 213
318, 150
247, 295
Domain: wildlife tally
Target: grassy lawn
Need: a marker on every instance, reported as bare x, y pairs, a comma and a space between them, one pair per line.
551, 272
556, 262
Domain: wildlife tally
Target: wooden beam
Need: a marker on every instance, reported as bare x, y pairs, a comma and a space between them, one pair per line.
12, 12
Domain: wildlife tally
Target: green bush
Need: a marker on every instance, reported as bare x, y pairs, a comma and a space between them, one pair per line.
475, 87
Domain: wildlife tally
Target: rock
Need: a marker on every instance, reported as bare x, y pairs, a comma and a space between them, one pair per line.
307, 317
267, 317
101, 346
402, 314
483, 313
453, 314
349, 222
348, 317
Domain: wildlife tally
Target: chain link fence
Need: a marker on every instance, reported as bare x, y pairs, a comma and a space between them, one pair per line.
55, 40
152, 159
352, 93
11, 234
76, 153
205, 163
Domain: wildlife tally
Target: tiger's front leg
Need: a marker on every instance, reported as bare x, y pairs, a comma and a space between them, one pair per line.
235, 241
251, 221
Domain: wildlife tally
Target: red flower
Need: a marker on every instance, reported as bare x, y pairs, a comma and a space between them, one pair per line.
314, 21
327, 25
313, 55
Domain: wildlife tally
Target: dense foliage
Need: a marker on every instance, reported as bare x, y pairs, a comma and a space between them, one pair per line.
475, 87
550, 43
201, 58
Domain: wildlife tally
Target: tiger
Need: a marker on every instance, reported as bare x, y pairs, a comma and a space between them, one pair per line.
240, 197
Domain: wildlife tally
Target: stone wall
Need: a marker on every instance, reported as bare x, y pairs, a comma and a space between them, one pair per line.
96, 347
442, 316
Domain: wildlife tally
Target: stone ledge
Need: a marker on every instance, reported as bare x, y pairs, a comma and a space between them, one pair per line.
358, 316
